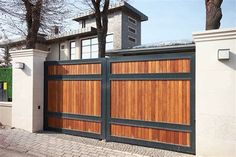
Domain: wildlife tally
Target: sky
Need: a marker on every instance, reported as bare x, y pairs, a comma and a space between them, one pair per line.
178, 19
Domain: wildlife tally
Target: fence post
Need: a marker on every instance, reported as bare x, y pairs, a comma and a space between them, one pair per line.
215, 92
28, 83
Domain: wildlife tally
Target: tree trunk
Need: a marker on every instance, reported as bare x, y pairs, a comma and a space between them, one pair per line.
33, 18
213, 14
101, 44
102, 25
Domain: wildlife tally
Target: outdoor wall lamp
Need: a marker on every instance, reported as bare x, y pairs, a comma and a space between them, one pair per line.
19, 65
223, 54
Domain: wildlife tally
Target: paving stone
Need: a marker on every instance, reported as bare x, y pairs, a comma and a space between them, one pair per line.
56, 144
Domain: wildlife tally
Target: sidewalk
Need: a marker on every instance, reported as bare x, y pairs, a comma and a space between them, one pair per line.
8, 153
50, 144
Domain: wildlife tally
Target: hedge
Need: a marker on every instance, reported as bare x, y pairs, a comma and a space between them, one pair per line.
6, 76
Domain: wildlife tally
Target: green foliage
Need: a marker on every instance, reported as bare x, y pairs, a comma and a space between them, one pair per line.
6, 76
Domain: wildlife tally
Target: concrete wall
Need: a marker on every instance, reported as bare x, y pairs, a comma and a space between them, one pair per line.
215, 94
27, 91
126, 43
6, 113
118, 25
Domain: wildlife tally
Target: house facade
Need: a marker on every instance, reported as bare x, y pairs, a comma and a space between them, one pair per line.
124, 32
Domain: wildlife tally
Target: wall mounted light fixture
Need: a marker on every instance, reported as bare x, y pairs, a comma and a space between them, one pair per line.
19, 65
223, 54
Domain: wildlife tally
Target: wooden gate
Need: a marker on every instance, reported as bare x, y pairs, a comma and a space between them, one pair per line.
143, 100
74, 97
151, 101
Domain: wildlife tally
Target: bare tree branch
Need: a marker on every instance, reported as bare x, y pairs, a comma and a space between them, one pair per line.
29, 17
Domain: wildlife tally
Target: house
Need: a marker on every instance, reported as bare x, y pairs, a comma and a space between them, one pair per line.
124, 32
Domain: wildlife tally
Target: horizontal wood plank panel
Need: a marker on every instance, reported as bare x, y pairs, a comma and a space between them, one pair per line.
160, 66
158, 101
77, 125
75, 97
79, 69
149, 134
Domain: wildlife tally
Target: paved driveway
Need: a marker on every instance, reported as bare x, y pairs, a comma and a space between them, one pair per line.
10, 153
60, 145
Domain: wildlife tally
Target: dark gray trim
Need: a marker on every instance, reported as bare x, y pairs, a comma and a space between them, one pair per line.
103, 99
74, 116
150, 124
74, 62
158, 145
153, 57
163, 76
192, 102
75, 77
45, 99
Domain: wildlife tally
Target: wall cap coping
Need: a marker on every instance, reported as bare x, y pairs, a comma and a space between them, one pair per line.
28, 53
5, 104
213, 35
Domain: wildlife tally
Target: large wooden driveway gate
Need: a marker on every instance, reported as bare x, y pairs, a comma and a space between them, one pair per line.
144, 100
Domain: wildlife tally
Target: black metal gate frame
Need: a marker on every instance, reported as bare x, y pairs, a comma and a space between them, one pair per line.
156, 125
101, 77
106, 77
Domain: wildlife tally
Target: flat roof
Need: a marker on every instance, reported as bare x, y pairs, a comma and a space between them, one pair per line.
153, 50
117, 6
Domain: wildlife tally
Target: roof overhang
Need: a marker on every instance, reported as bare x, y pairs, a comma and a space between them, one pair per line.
72, 35
124, 6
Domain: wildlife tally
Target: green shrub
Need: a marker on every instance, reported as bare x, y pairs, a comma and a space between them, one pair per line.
6, 76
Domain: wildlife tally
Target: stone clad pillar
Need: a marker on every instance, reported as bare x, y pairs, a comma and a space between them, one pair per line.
28, 89
216, 93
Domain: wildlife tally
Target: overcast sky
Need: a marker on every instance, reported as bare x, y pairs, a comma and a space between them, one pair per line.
177, 19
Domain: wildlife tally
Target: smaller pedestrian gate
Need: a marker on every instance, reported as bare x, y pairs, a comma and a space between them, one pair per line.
145, 100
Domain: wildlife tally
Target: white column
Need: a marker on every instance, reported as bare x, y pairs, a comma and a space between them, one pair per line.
215, 94
28, 89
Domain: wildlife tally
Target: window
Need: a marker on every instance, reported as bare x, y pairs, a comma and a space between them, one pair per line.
83, 23
72, 50
132, 39
131, 20
89, 48
109, 42
61, 52
132, 30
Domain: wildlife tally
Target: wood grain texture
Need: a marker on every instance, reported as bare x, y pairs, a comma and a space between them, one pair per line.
158, 101
149, 134
75, 97
79, 69
161, 66
76, 125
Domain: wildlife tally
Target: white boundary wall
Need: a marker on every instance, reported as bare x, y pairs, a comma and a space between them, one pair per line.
215, 94
28, 89
5, 113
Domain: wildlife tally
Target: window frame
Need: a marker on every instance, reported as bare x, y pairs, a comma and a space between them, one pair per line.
135, 30
71, 47
132, 20
90, 38
61, 44
130, 37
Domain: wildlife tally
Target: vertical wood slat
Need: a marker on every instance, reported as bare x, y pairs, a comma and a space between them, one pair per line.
78, 125
75, 69
160, 66
158, 101
149, 134
75, 97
